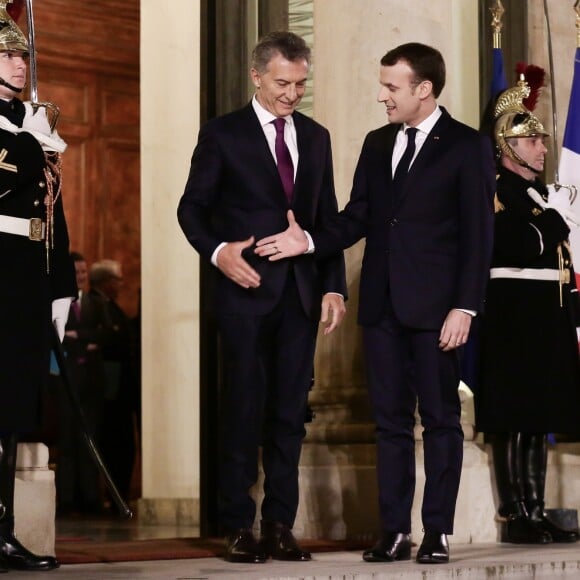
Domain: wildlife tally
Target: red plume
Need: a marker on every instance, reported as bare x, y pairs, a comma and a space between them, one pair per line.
534, 76
15, 9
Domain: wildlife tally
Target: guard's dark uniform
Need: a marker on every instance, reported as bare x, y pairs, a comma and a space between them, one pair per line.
30, 282
530, 369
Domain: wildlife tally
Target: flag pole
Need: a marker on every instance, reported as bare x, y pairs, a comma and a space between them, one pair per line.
553, 91
497, 12
577, 10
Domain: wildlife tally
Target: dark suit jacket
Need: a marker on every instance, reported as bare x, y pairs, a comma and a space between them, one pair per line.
430, 249
234, 191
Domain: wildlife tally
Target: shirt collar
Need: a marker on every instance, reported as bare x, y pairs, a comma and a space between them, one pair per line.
264, 116
427, 124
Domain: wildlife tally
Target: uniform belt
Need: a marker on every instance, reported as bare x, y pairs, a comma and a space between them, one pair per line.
33, 228
550, 274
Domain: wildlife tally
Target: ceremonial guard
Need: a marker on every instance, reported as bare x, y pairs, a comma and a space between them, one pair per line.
38, 279
530, 381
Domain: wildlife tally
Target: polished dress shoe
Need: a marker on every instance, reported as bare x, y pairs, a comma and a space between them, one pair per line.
559, 535
434, 549
241, 547
392, 546
519, 529
278, 542
14, 556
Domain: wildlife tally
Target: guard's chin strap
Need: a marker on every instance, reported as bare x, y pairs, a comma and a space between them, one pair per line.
536, 171
12, 88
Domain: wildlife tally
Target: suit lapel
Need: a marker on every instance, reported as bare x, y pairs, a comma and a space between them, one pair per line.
251, 130
390, 138
304, 142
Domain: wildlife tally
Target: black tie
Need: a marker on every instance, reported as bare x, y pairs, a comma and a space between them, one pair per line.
403, 166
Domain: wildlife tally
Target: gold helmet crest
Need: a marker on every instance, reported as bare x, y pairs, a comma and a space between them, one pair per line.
11, 37
514, 119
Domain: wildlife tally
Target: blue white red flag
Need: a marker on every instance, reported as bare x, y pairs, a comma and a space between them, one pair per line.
498, 79
569, 169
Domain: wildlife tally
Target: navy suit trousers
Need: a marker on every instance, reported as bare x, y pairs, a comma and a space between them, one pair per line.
404, 366
269, 366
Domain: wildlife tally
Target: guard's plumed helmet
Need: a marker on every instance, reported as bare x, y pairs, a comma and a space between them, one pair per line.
514, 119
11, 37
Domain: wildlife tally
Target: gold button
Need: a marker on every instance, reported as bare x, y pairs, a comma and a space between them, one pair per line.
41, 184
36, 203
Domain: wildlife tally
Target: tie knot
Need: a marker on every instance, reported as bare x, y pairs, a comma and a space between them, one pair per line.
411, 132
279, 123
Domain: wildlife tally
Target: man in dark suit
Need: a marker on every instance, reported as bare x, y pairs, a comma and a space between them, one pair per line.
77, 477
248, 168
428, 242
112, 328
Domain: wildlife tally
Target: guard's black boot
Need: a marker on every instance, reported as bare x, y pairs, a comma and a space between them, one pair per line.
535, 461
13, 555
517, 527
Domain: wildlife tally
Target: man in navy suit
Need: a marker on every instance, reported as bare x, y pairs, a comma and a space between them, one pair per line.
428, 232
248, 168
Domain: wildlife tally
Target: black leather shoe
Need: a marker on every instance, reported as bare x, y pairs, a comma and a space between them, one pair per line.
522, 530
559, 535
278, 542
392, 546
434, 549
14, 556
241, 547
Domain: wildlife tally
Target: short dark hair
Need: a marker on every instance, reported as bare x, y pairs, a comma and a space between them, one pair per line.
291, 46
425, 61
77, 257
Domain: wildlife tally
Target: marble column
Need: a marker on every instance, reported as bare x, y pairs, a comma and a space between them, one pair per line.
170, 73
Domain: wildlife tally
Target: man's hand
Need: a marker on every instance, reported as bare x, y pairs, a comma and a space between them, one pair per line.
455, 330
291, 242
229, 260
333, 305
559, 200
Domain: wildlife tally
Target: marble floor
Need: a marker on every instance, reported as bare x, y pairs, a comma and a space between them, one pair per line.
468, 562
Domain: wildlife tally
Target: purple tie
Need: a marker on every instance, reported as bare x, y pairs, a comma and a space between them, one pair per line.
283, 159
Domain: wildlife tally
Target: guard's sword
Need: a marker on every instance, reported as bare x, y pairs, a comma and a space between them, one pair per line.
52, 111
83, 427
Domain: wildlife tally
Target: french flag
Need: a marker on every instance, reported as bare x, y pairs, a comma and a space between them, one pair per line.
569, 170
498, 78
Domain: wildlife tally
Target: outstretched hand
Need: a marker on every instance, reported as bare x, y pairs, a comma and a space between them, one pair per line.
290, 242
232, 264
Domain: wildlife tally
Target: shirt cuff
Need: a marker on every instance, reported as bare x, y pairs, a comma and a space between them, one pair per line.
216, 252
310, 249
470, 312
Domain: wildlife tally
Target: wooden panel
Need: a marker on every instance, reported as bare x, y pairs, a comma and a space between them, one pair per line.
120, 216
88, 65
119, 108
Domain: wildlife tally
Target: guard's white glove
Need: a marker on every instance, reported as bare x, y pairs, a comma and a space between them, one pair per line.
36, 122
60, 308
557, 200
